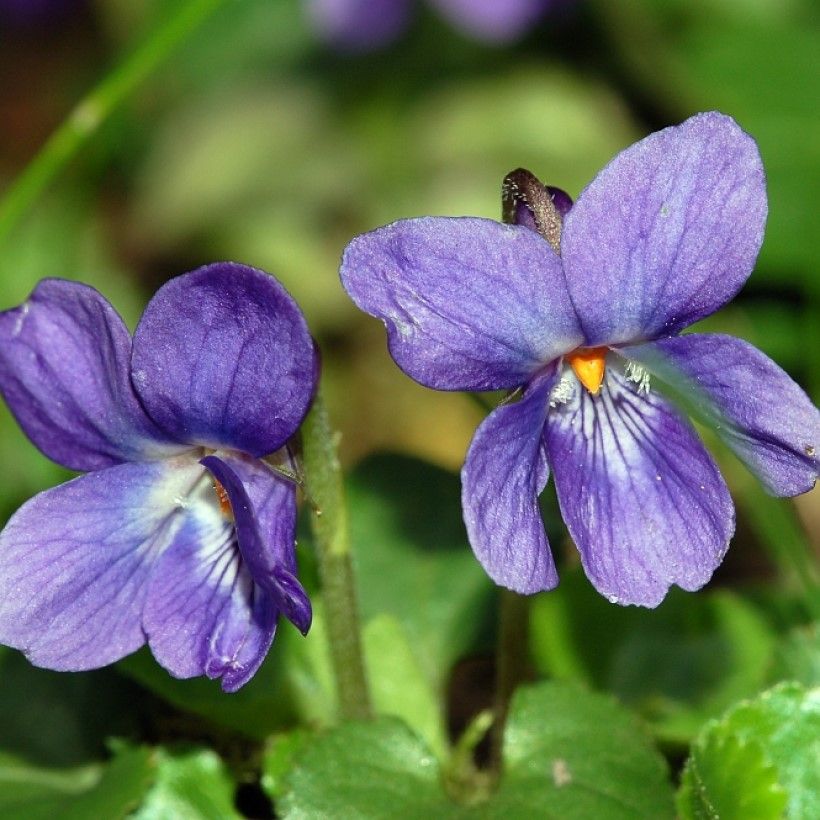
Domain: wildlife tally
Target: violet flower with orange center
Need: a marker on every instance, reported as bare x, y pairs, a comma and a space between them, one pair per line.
581, 308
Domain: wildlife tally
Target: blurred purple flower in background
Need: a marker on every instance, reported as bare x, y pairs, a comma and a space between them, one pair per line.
28, 12
361, 25
581, 314
180, 534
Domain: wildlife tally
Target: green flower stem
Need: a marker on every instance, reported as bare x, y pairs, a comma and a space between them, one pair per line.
323, 479
96, 107
511, 663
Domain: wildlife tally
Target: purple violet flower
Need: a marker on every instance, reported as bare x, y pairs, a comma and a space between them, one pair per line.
584, 316
181, 533
361, 25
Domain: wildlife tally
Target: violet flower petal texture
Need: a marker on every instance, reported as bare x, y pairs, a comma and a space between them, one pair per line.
753, 404
64, 357
200, 348
469, 304
157, 549
504, 473
494, 21
75, 561
667, 233
642, 499
247, 483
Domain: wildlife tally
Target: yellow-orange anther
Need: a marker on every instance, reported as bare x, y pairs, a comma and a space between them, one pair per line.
588, 364
224, 501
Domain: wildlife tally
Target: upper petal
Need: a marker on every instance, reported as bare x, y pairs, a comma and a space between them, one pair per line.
64, 356
767, 420
667, 233
264, 509
504, 473
74, 562
469, 304
641, 497
223, 357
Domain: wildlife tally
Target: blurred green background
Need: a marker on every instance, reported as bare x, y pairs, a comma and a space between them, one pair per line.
258, 142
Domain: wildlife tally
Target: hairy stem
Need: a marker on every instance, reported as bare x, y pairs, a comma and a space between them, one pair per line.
95, 108
323, 478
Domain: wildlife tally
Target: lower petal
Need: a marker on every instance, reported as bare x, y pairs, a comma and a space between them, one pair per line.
759, 411
74, 562
643, 500
505, 471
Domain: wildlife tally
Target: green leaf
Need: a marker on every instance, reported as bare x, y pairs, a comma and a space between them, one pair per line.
762, 758
412, 558
679, 664
111, 791
190, 785
798, 656
568, 754
397, 684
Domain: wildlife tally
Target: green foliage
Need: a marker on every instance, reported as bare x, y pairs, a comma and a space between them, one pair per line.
679, 664
568, 753
108, 791
760, 760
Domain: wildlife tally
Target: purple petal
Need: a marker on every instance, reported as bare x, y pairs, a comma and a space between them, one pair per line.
667, 233
469, 304
504, 473
223, 357
359, 25
204, 615
64, 358
641, 497
75, 560
264, 509
496, 21
767, 420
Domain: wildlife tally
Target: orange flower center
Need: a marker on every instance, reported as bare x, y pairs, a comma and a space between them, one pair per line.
224, 502
589, 364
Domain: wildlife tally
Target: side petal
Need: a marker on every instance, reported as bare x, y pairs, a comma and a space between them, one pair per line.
75, 560
759, 411
64, 357
491, 20
223, 357
667, 233
469, 304
641, 497
504, 473
264, 510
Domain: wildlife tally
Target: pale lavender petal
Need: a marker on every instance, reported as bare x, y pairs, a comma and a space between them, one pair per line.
667, 233
496, 21
75, 561
469, 304
359, 25
504, 473
264, 509
767, 420
641, 497
204, 614
64, 359
223, 357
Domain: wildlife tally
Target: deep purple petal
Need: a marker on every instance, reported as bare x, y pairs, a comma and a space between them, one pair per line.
496, 21
223, 357
75, 560
359, 25
64, 356
264, 508
641, 497
667, 233
504, 473
767, 420
469, 304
